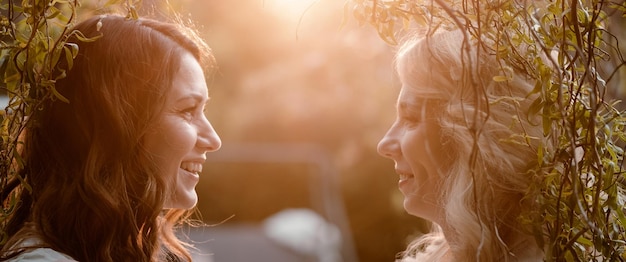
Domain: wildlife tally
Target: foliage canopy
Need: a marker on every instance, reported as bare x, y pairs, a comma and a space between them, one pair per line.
33, 40
579, 186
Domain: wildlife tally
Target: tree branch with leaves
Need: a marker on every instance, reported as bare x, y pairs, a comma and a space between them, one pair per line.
33, 42
573, 52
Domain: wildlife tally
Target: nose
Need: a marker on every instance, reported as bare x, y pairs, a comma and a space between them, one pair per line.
389, 145
208, 139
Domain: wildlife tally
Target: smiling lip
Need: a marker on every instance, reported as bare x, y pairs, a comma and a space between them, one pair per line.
192, 177
404, 175
192, 167
405, 182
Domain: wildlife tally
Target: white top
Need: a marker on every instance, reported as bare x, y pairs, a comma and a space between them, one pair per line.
42, 255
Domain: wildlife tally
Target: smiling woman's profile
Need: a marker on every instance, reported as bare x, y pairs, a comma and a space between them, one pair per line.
182, 134
470, 184
114, 170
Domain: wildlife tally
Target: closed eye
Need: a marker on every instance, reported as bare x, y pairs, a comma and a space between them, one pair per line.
190, 113
411, 119
408, 114
416, 112
190, 107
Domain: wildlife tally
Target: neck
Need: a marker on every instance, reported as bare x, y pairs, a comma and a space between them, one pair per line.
520, 246
448, 257
452, 239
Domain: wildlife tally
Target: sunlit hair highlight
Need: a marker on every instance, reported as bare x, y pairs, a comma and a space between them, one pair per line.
491, 140
96, 193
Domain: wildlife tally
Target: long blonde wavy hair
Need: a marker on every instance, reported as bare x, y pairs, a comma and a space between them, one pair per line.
482, 109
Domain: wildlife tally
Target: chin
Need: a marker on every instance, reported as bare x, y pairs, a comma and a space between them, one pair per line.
420, 210
187, 202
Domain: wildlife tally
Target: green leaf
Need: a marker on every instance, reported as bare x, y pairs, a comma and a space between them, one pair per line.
500, 79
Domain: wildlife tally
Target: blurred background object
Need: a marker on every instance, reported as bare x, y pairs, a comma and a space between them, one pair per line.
288, 201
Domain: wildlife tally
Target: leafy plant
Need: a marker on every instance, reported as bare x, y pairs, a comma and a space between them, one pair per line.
573, 51
33, 40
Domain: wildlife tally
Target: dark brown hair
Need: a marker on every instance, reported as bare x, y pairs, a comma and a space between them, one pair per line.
95, 193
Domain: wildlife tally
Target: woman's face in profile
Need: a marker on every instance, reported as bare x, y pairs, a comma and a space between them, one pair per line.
183, 135
413, 143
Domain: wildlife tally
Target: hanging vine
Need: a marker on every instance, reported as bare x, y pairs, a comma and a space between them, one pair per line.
33, 40
573, 51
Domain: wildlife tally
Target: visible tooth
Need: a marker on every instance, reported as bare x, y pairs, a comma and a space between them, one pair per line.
197, 167
191, 167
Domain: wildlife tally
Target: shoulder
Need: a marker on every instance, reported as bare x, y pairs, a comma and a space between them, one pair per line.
35, 251
42, 255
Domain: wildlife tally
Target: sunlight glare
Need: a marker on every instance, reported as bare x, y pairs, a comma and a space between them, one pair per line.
290, 9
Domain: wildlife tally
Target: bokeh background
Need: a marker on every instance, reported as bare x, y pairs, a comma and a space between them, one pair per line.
301, 98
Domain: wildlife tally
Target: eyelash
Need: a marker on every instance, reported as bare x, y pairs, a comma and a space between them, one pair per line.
411, 119
190, 112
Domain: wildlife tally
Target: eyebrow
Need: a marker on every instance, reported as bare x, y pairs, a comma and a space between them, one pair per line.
417, 106
195, 97
413, 102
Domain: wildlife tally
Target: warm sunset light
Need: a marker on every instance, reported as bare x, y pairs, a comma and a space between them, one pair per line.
290, 9
312, 130
301, 99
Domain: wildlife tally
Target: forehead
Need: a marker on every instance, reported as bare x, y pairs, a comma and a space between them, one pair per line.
189, 80
414, 100
411, 96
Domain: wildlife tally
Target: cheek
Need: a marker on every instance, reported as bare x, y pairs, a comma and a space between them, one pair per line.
434, 147
417, 145
169, 141
424, 148
452, 146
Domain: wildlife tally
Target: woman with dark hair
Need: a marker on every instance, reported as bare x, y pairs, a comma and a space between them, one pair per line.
113, 169
463, 145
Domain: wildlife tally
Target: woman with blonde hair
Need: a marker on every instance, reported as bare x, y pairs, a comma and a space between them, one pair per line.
463, 144
109, 173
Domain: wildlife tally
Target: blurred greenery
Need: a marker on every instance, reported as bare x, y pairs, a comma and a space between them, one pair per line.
32, 42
